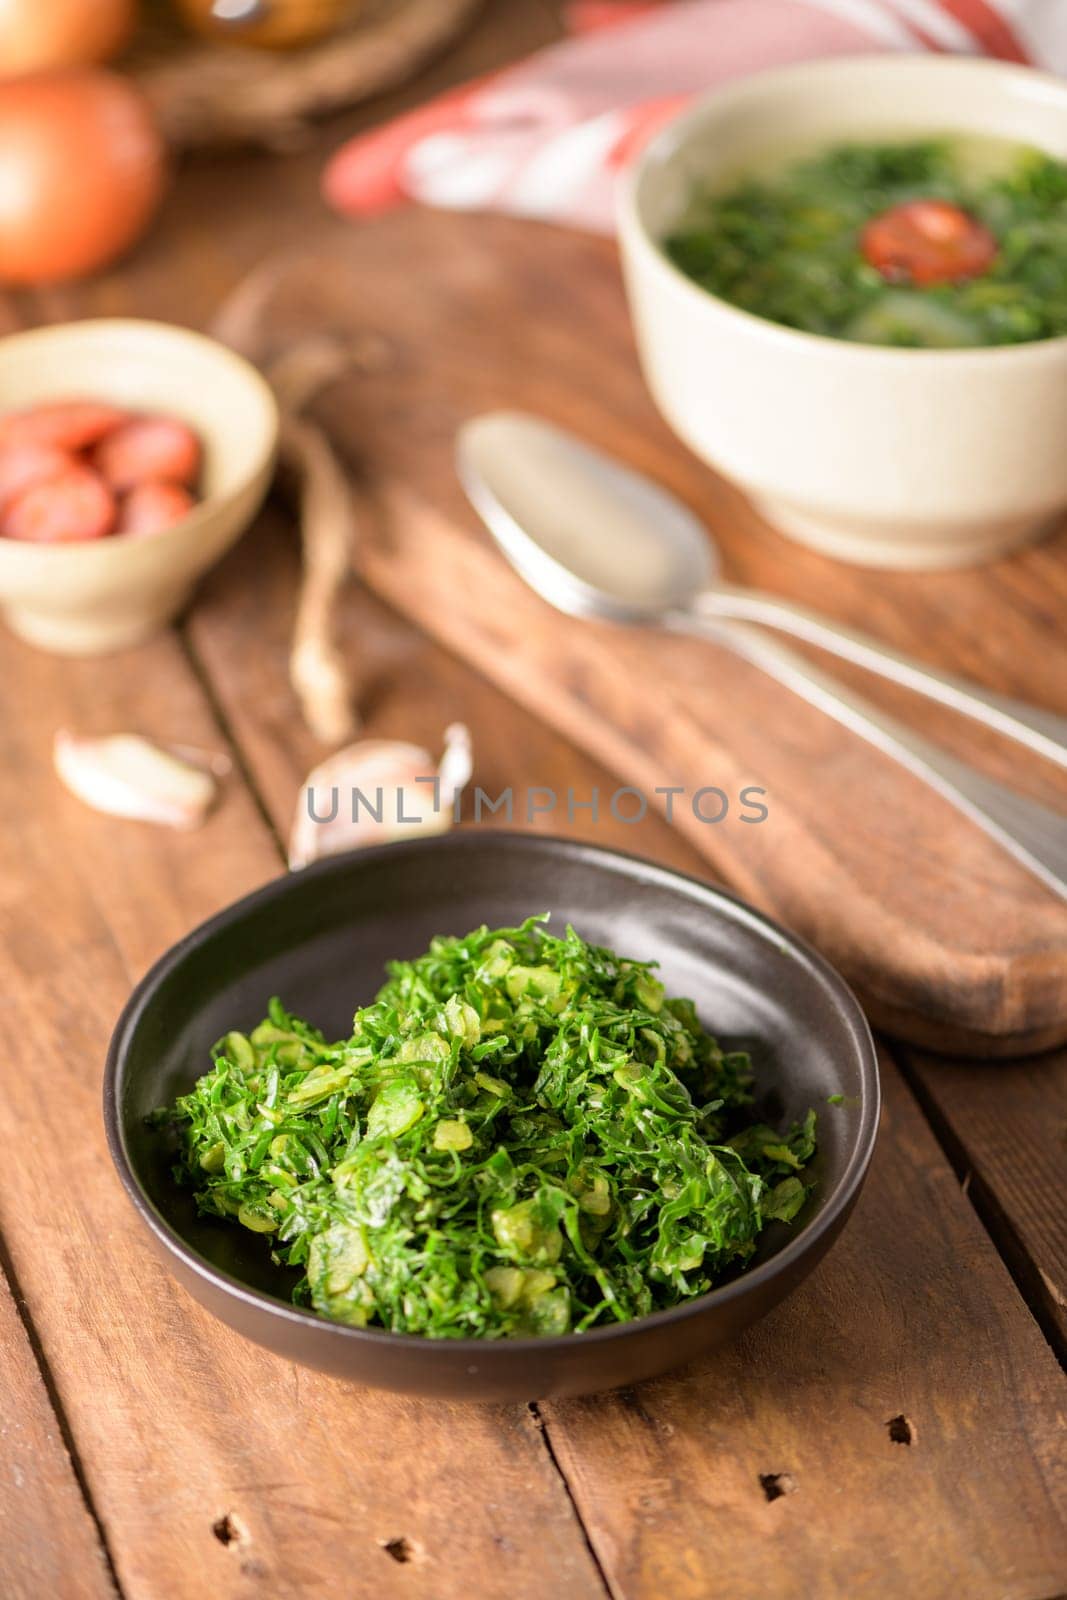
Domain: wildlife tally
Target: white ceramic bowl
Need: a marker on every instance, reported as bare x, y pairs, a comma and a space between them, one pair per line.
886, 457
83, 599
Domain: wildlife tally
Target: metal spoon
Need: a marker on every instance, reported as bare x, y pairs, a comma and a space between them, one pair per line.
598, 540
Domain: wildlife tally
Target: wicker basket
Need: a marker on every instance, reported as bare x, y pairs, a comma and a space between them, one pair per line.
207, 94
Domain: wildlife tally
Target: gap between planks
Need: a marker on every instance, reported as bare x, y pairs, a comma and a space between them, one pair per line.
9, 1283
541, 1423
1037, 1291
217, 711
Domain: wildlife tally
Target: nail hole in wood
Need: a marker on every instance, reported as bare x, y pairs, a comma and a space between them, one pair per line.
229, 1530
900, 1430
775, 1484
400, 1549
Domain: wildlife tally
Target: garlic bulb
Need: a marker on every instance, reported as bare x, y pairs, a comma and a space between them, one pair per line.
127, 776
378, 791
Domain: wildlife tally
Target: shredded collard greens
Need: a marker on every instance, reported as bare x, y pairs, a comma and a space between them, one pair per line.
523, 1136
787, 246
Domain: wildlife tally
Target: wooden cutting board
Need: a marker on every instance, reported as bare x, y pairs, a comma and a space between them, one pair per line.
949, 942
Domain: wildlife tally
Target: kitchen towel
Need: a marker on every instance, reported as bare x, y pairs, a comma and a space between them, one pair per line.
546, 137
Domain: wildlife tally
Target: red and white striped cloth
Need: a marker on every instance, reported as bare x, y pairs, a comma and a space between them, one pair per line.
544, 138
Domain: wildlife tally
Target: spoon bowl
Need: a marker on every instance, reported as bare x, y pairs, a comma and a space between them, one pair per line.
593, 537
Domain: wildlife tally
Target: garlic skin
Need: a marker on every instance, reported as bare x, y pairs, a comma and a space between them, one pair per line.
369, 793
124, 775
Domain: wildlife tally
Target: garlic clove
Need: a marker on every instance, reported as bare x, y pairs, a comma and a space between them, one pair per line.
457, 763
376, 792
124, 775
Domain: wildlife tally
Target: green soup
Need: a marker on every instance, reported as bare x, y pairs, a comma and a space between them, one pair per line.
932, 244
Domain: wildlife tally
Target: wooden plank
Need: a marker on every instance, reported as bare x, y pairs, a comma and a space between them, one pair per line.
212, 1465
1005, 1131
845, 1446
912, 1315
49, 1543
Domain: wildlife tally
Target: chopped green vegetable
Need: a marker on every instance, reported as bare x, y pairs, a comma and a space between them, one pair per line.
523, 1135
789, 245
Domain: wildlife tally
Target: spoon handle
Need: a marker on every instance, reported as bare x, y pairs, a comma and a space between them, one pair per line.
1033, 834
1041, 731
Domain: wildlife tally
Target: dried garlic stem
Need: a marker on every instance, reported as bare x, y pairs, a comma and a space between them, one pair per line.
317, 668
239, 320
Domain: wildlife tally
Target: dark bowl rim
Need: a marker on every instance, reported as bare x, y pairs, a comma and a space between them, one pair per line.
805, 1242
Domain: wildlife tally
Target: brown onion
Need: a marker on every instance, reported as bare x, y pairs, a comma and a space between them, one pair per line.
36, 35
81, 172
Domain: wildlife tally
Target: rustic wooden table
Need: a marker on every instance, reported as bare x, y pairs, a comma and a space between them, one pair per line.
896, 1429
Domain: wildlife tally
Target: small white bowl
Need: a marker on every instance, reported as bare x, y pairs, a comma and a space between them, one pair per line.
885, 457
104, 594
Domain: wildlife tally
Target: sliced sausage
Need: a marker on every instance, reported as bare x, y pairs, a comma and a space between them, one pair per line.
150, 507
149, 449
62, 424
928, 241
23, 465
75, 505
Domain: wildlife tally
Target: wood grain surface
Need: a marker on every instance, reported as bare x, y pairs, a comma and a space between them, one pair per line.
1004, 1127
895, 1429
49, 1543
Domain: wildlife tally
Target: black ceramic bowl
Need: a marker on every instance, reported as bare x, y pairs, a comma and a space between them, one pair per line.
319, 940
